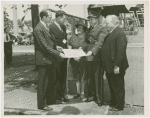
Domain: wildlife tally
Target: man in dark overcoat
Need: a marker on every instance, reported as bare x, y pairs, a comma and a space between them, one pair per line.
114, 61
45, 58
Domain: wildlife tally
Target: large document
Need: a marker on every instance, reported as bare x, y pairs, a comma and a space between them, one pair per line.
72, 53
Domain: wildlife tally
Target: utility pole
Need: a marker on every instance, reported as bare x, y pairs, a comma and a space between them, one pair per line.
35, 15
15, 21
35, 19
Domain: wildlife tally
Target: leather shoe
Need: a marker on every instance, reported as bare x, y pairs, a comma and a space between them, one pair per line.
65, 100
114, 109
76, 96
90, 99
100, 104
46, 108
58, 102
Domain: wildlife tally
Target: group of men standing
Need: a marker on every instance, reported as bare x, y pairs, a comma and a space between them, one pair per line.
106, 51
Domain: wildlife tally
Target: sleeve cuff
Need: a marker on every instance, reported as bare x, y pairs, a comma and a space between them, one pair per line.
94, 51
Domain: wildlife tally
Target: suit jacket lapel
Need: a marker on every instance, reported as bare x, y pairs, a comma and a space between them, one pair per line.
110, 36
47, 32
57, 28
95, 28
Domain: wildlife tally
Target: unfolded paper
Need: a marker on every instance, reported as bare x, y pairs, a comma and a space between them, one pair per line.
72, 53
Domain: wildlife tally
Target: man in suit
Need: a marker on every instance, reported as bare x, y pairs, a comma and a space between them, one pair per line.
94, 71
58, 29
114, 61
45, 57
7, 46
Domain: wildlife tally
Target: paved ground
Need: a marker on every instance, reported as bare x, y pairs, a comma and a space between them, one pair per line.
23, 100
20, 93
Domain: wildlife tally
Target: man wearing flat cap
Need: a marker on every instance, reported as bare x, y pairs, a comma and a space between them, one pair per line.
94, 71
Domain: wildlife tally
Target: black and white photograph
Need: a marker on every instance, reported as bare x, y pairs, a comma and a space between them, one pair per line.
75, 58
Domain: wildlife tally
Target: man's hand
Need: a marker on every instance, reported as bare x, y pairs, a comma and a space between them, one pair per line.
60, 49
77, 58
89, 53
116, 70
62, 55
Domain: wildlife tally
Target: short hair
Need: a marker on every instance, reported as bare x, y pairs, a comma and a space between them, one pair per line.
59, 13
113, 19
43, 13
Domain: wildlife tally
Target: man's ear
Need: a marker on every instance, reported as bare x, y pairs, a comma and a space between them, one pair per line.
44, 17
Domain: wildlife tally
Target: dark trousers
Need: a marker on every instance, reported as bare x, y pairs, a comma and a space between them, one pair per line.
94, 77
60, 79
8, 51
117, 89
45, 85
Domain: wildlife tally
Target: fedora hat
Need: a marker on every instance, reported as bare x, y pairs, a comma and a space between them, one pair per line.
80, 23
93, 14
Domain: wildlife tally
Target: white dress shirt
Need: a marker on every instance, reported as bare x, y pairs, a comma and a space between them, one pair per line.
64, 40
6, 35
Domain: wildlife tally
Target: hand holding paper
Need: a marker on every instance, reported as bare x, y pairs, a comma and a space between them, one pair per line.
62, 55
77, 58
60, 49
89, 53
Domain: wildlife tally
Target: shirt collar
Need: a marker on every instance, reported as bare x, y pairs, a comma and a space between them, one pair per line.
95, 25
44, 24
58, 25
112, 29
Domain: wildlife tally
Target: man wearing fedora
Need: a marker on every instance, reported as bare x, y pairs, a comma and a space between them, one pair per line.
94, 71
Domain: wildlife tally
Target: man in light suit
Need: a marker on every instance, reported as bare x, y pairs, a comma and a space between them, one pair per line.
45, 58
114, 61
58, 29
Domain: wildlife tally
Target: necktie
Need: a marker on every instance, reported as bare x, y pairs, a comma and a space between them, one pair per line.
61, 28
47, 27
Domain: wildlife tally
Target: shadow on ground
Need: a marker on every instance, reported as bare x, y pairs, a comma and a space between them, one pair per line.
67, 110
